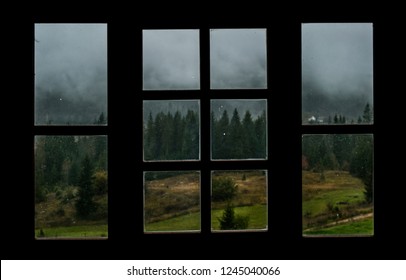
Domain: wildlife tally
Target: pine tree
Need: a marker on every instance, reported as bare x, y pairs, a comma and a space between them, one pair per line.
361, 164
367, 117
236, 137
335, 118
220, 147
260, 132
250, 140
85, 204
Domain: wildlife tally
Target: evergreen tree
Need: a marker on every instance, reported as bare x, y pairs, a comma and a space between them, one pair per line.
250, 140
260, 133
329, 119
367, 116
362, 163
85, 204
230, 221
335, 119
236, 138
220, 144
359, 121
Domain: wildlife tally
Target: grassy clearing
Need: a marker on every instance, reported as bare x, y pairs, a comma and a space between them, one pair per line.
257, 216
75, 231
338, 196
185, 222
364, 227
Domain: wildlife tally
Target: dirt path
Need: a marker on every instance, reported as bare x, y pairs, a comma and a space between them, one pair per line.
344, 221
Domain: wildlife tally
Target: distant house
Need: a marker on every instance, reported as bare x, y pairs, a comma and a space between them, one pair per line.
313, 119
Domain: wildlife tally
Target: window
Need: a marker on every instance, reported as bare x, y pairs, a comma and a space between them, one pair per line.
193, 126
337, 94
70, 167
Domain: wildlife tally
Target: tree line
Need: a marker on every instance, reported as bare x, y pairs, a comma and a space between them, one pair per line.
346, 152
172, 136
238, 139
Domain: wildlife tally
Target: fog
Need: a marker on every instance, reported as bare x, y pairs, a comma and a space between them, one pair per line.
70, 73
238, 58
169, 106
255, 106
337, 68
171, 59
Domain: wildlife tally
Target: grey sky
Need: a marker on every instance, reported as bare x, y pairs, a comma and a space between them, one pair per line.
171, 59
255, 106
337, 58
71, 67
238, 58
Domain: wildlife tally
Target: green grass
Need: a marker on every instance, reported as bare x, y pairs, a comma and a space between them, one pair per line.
364, 227
257, 216
318, 204
181, 223
335, 189
75, 231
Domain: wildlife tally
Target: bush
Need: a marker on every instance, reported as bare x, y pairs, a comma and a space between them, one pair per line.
223, 189
99, 181
41, 233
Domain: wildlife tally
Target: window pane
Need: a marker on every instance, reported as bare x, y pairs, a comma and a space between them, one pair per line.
70, 186
70, 74
239, 200
171, 201
337, 184
238, 59
171, 59
171, 130
337, 73
238, 129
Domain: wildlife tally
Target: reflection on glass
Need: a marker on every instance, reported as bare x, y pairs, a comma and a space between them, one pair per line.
239, 129
171, 130
171, 201
70, 187
238, 59
239, 200
337, 73
171, 59
337, 185
70, 74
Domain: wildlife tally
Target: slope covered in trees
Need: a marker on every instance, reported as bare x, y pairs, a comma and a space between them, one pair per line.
238, 138
70, 181
346, 152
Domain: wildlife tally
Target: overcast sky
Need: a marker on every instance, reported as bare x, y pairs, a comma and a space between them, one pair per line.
255, 106
71, 66
171, 59
338, 57
238, 58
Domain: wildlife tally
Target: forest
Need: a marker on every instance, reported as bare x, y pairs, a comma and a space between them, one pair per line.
70, 186
172, 136
239, 139
337, 182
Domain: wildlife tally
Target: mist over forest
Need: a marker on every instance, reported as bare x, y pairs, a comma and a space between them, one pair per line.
70, 73
337, 70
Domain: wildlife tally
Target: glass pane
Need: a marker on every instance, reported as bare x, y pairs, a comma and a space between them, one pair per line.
171, 130
70, 187
171, 59
238, 59
337, 185
239, 129
337, 73
70, 74
239, 200
171, 201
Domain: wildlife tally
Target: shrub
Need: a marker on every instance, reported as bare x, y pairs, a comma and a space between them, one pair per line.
223, 189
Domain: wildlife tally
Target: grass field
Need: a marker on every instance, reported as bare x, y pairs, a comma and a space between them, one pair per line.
75, 231
364, 227
257, 216
334, 198
181, 223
